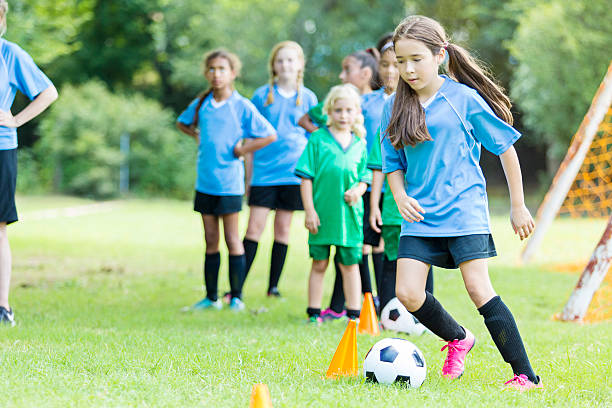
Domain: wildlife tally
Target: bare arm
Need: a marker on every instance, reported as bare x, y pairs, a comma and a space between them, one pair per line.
307, 124
34, 108
521, 219
250, 145
375, 216
312, 221
409, 208
248, 172
193, 132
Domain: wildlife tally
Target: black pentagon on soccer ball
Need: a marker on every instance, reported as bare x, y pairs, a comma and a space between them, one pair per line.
388, 354
417, 359
394, 314
415, 320
404, 379
371, 377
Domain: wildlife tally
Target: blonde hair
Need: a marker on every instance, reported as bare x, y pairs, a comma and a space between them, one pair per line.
350, 92
273, 76
3, 13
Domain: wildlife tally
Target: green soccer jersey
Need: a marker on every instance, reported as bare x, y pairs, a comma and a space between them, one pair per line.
317, 116
390, 213
334, 170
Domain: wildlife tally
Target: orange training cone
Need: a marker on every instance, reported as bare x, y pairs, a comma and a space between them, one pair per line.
368, 323
260, 397
344, 362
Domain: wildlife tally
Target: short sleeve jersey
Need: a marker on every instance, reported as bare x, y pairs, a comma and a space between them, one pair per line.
222, 126
444, 174
390, 214
371, 107
18, 72
334, 170
274, 165
317, 116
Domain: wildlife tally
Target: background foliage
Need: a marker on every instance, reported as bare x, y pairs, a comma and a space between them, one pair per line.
549, 54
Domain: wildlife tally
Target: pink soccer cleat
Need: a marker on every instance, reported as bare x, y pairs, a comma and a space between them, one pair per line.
521, 383
454, 365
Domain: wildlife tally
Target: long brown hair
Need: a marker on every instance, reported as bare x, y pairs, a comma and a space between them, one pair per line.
407, 125
273, 76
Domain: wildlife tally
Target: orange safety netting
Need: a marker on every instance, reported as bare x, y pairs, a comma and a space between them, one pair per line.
591, 193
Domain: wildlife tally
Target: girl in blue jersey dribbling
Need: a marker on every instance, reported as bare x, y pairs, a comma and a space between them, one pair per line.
219, 120
434, 128
18, 72
273, 186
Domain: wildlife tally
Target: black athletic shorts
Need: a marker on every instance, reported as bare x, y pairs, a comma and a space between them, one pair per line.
285, 197
217, 205
370, 237
447, 252
8, 183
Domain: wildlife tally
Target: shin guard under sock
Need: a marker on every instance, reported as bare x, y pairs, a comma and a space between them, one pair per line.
279, 253
506, 336
237, 267
212, 262
433, 316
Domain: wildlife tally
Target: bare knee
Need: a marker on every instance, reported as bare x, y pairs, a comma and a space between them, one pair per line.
234, 244
480, 293
319, 266
255, 228
211, 236
412, 298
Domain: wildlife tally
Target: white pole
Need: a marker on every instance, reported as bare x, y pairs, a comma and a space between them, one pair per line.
571, 165
591, 278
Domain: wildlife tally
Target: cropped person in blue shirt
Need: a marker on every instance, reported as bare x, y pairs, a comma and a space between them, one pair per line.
18, 72
219, 120
273, 186
434, 127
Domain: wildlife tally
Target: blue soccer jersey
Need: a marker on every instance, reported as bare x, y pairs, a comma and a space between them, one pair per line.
274, 164
444, 174
18, 72
222, 126
372, 105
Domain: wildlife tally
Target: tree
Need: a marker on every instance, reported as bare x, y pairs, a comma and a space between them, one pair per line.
562, 51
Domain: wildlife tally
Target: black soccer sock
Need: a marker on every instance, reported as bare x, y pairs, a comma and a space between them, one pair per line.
364, 272
353, 314
337, 300
313, 311
378, 260
279, 253
433, 316
506, 336
250, 249
386, 292
429, 285
237, 264
212, 262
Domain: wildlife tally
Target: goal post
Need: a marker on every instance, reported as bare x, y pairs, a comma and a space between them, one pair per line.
570, 166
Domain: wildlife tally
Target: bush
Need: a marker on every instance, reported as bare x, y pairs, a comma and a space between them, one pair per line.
79, 147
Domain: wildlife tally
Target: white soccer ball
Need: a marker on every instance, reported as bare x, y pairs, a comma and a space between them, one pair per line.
395, 361
394, 316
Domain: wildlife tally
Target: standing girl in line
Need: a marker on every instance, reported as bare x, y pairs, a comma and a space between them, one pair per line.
360, 70
434, 128
334, 177
18, 72
388, 223
274, 186
219, 120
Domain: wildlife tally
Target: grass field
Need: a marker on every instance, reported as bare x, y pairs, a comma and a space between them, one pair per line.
97, 296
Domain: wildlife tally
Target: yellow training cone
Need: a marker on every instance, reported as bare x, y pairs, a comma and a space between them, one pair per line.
344, 362
260, 397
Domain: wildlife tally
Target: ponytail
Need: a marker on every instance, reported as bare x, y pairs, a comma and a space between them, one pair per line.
467, 70
369, 58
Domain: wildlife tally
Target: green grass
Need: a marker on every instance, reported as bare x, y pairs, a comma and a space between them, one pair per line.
97, 298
